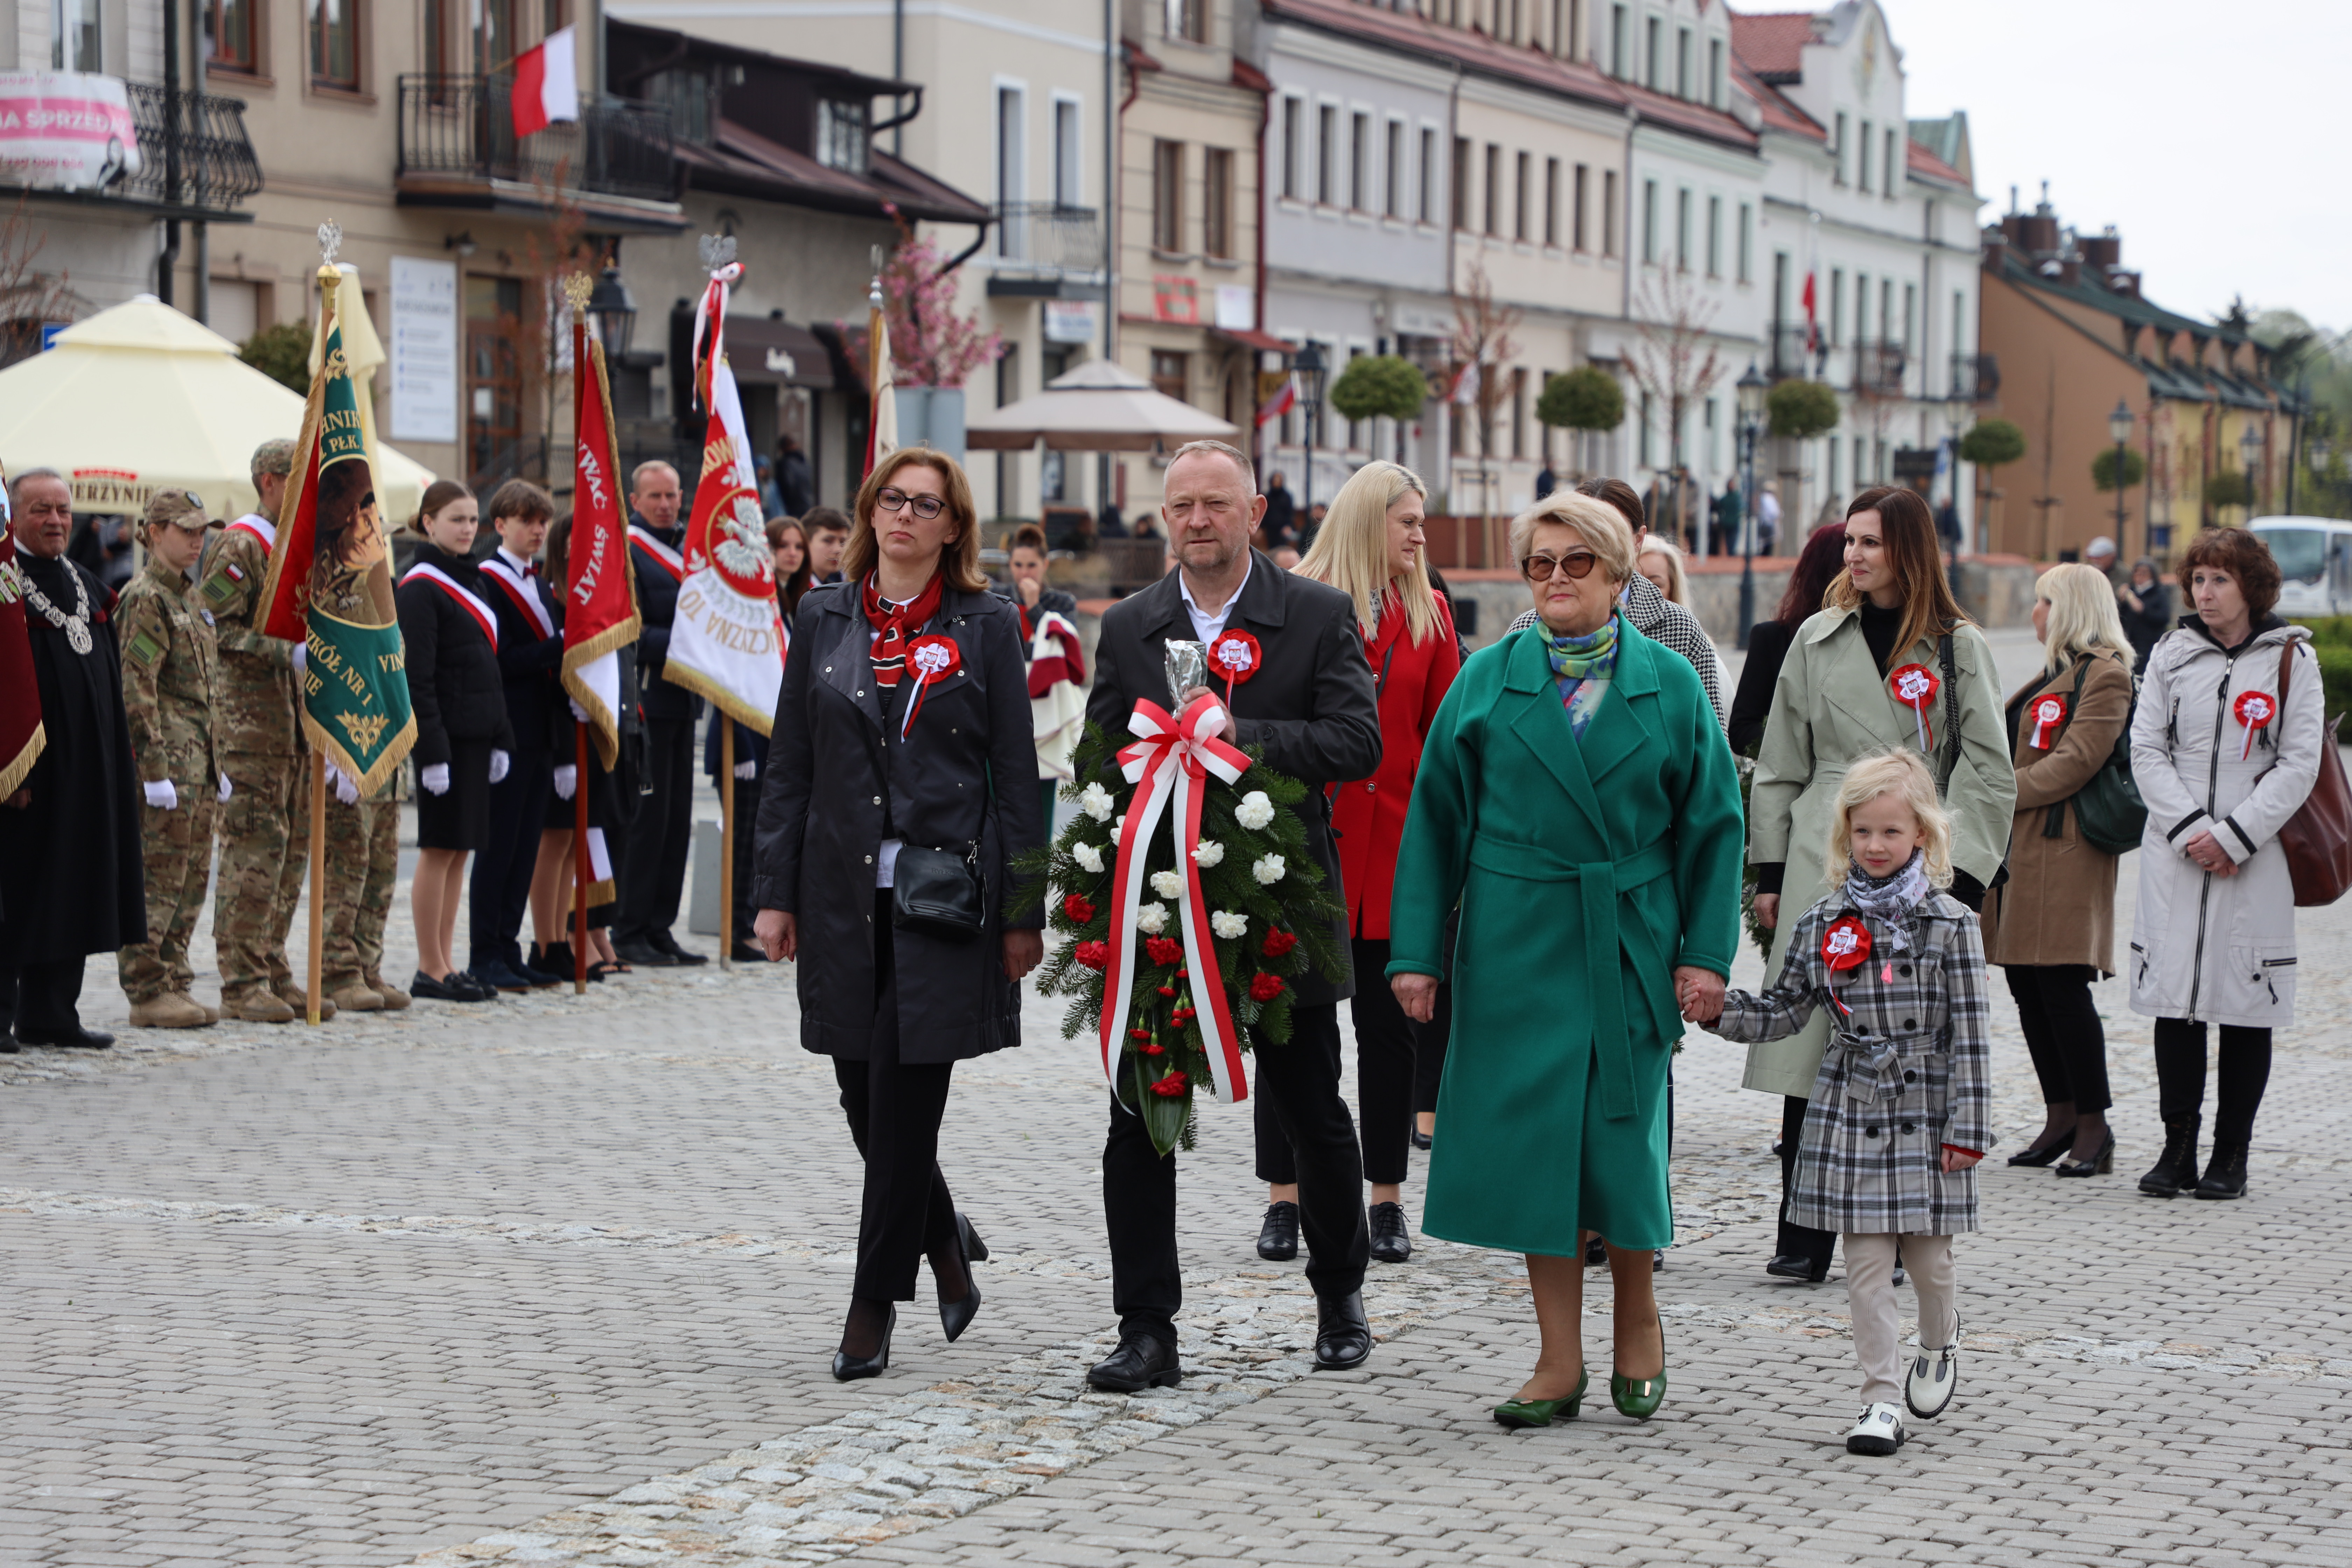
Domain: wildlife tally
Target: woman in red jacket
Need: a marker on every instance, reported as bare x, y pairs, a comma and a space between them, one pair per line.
1371, 548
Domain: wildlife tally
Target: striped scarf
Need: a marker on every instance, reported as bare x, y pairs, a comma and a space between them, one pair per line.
895, 624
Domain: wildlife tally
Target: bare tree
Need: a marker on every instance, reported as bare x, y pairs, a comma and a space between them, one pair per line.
28, 296
1481, 347
1674, 359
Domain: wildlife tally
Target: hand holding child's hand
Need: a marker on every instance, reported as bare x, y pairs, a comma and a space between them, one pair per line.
1955, 1160
1699, 993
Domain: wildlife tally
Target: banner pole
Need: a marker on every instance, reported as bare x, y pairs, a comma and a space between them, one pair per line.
318, 881
727, 781
582, 873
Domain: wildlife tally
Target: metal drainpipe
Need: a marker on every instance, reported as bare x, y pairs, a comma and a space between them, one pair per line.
199, 40
168, 262
1264, 119
898, 69
1111, 114
1455, 204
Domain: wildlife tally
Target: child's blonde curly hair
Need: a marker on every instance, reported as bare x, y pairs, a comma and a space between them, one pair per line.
1900, 771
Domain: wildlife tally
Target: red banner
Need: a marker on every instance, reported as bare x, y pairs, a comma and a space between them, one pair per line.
599, 615
21, 737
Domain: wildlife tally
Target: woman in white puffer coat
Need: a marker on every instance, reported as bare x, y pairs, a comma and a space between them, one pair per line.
2222, 763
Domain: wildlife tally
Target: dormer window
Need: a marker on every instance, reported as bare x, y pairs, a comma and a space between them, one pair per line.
841, 135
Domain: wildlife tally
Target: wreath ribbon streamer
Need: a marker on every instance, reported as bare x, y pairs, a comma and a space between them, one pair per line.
1172, 759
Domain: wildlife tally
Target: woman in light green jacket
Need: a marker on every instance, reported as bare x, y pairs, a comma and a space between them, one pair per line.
1890, 660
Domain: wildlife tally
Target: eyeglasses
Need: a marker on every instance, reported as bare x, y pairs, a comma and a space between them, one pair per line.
891, 499
1577, 564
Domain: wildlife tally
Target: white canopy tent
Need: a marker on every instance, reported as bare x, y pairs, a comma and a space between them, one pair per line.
1098, 407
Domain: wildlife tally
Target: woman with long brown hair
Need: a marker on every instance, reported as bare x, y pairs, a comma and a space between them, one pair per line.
1890, 659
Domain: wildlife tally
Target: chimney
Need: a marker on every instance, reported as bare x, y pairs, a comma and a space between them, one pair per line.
2105, 251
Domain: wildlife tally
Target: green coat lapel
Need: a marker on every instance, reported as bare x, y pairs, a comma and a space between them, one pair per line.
1542, 722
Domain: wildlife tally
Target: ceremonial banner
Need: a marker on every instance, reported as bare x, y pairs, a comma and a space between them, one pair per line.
882, 412
727, 642
330, 584
600, 616
21, 736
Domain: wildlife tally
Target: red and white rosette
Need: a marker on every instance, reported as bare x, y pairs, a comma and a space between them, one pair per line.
1915, 686
1845, 946
2254, 710
1172, 759
1235, 655
929, 661
2049, 712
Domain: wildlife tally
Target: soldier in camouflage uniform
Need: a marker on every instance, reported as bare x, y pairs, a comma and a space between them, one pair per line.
362, 864
266, 828
170, 682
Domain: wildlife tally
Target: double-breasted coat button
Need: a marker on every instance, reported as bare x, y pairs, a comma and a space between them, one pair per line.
1870, 1132
1904, 969
1910, 1022
1909, 1127
1910, 1077
878, 800
869, 859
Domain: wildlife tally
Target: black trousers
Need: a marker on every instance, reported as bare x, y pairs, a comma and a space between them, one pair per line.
1798, 1240
895, 1109
2243, 1066
1301, 1081
2063, 1033
501, 889
44, 997
653, 873
1385, 1079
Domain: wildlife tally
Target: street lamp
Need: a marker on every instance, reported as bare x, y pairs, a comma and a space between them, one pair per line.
1752, 389
2250, 449
1307, 364
615, 309
2119, 431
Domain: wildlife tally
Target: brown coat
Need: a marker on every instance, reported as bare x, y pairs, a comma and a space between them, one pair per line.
2059, 904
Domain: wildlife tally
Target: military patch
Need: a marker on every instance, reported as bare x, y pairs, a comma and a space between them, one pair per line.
144, 650
221, 587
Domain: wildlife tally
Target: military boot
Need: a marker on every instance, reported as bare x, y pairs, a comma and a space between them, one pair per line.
299, 999
356, 996
172, 1010
395, 998
256, 1007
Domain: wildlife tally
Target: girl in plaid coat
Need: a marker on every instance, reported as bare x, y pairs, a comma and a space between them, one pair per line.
1897, 1120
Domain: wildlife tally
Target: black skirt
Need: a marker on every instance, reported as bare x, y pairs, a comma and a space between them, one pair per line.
459, 818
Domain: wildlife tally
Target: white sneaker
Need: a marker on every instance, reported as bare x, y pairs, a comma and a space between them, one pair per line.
1935, 1375
1879, 1431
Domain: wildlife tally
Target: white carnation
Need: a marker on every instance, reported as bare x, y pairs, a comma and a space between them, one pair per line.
1209, 853
1087, 856
1151, 919
1268, 870
1254, 811
1167, 884
1094, 801
1227, 924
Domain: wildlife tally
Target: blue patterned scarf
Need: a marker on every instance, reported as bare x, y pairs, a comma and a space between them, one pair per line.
1582, 665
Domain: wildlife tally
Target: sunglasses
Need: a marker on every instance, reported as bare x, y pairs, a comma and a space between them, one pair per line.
1577, 564
889, 497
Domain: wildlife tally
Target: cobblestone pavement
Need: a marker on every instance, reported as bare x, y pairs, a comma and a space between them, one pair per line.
557, 1281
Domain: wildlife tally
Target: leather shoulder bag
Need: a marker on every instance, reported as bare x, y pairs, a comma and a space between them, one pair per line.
2318, 837
2107, 808
939, 892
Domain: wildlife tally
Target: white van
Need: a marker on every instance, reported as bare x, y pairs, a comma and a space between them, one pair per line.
2314, 558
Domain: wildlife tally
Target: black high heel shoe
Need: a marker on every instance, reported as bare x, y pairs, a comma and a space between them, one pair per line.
2098, 1165
956, 1316
2046, 1153
848, 1368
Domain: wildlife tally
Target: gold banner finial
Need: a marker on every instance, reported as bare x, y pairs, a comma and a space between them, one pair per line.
577, 287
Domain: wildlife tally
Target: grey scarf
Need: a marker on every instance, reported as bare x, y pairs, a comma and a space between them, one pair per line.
1890, 900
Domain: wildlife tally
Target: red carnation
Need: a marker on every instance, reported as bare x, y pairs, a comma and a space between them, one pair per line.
1077, 909
1138, 1034
1265, 988
1164, 949
1279, 943
1168, 991
1171, 1086
1153, 1050
1093, 954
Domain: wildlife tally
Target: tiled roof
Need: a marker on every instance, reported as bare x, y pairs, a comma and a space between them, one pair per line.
1780, 112
1773, 43
743, 161
1925, 165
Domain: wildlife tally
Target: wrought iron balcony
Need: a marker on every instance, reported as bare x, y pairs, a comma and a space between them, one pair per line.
1976, 378
1879, 367
195, 160
1041, 246
1790, 360
455, 130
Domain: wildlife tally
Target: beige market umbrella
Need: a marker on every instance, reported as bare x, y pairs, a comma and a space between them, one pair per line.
139, 398
1098, 407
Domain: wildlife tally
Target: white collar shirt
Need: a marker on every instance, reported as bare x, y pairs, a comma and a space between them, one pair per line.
1205, 626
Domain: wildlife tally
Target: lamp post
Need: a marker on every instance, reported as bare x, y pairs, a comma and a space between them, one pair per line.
615, 309
1309, 365
2250, 450
2119, 430
1752, 389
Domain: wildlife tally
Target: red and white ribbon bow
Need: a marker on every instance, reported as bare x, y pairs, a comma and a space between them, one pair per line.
1915, 686
2047, 711
1171, 758
2255, 711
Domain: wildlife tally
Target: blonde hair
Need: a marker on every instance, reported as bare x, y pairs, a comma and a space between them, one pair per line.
2084, 621
1351, 549
1900, 771
1677, 581
1603, 528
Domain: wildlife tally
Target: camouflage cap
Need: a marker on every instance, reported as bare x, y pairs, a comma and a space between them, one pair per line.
184, 508
274, 456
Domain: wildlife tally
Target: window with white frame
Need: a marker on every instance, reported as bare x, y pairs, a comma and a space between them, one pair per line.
1747, 243
1427, 169
1294, 152
1326, 154
1360, 162
1069, 189
1393, 176
1715, 236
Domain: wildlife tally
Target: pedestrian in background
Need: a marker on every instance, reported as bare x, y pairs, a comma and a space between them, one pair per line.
1729, 508
1818, 565
1280, 526
2052, 924
170, 680
463, 744
795, 485
653, 867
1054, 728
2223, 757
828, 536
531, 664
1890, 627
1374, 549
788, 550
2145, 606
1767, 521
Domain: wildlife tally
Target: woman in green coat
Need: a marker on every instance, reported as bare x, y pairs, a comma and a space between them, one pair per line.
1889, 622
1576, 798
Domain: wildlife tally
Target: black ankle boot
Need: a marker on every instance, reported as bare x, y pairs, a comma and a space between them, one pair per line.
2175, 1171
2225, 1177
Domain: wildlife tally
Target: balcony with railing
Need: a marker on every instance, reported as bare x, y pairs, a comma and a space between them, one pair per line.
1046, 250
1790, 360
1976, 378
195, 160
458, 148
1879, 366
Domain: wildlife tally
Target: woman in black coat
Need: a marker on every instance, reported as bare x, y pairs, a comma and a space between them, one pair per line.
907, 680
1768, 641
463, 744
2146, 608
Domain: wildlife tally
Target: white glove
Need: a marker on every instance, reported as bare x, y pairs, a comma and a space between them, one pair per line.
300, 654
499, 764
346, 789
747, 770
434, 777
578, 713
162, 796
567, 780
226, 789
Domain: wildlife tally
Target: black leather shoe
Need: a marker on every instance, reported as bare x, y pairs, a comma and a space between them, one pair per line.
2046, 1154
1277, 1238
748, 953
1420, 1140
77, 1038
8, 1046
955, 1317
551, 964
451, 987
974, 1249
2175, 1171
667, 944
1392, 1239
642, 954
1794, 1266
1596, 1253
1343, 1336
2098, 1165
500, 976
1140, 1361
848, 1368
2225, 1176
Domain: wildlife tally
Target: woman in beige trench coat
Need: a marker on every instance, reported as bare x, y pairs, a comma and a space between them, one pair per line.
1890, 612
2052, 924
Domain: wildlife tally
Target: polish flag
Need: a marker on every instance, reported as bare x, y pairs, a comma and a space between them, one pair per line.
1281, 403
547, 83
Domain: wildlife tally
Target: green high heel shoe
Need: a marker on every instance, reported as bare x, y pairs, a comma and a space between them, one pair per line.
1639, 1397
1521, 1413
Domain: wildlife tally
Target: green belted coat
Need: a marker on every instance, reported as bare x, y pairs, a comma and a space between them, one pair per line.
1587, 871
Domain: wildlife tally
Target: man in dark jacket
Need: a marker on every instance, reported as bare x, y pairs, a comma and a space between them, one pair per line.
1311, 705
653, 867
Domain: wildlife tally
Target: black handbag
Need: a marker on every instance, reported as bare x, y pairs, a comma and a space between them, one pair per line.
2107, 807
939, 892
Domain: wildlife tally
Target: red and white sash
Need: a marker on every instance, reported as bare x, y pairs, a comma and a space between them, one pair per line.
467, 601
668, 560
517, 587
260, 527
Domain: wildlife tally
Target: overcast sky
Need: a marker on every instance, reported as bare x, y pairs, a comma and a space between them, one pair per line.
2212, 137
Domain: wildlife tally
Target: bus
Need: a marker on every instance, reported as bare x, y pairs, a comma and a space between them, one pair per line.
2315, 559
